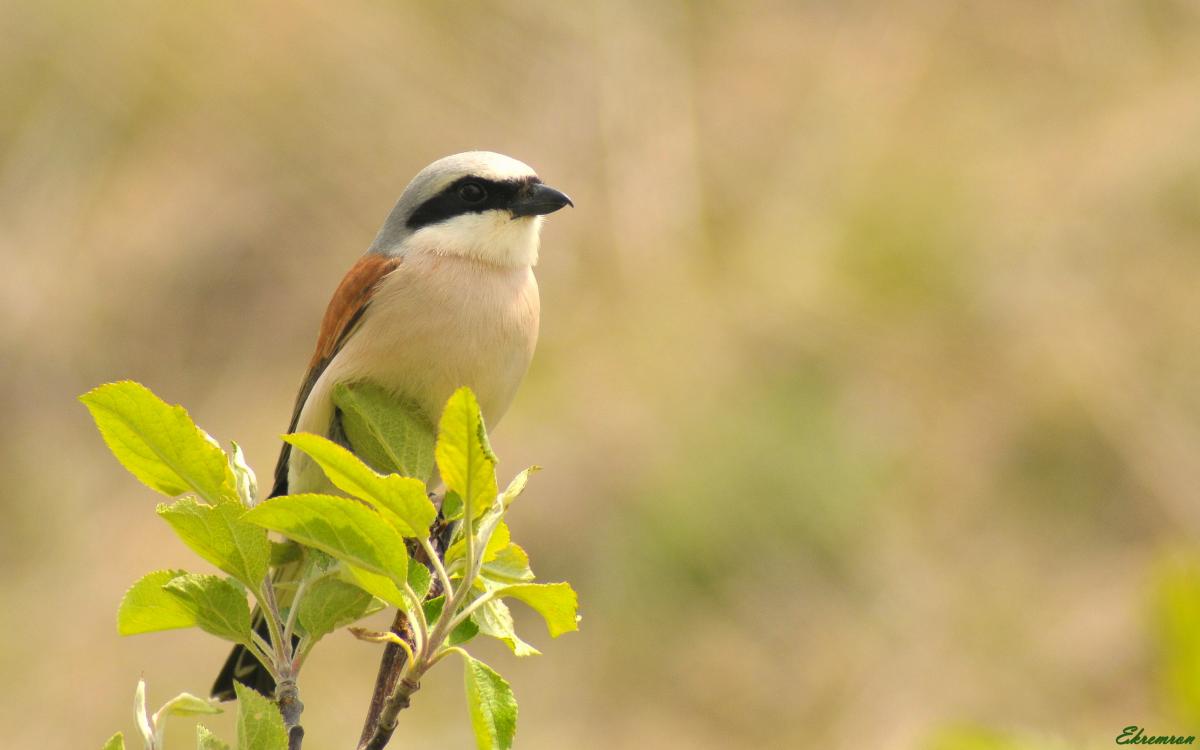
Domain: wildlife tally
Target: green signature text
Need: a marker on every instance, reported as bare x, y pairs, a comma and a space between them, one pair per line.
1135, 735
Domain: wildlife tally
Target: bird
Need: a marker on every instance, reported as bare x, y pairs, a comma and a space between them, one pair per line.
444, 297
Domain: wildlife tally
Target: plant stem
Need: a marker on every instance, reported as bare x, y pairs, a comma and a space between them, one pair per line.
407, 680
454, 597
391, 665
270, 608
396, 702
295, 608
399, 677
422, 632
287, 695
262, 651
466, 611
436, 563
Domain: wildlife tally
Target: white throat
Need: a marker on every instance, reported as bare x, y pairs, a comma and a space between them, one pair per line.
493, 237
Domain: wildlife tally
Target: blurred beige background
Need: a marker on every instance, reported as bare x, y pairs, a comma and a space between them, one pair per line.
867, 387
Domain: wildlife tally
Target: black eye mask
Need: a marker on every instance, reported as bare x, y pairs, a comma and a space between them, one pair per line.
450, 202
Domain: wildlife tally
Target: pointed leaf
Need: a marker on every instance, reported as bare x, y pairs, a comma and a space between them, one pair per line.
159, 443
146, 608
403, 500
259, 724
555, 602
186, 704
390, 433
347, 529
494, 619
510, 565
244, 477
517, 486
219, 606
492, 706
499, 540
218, 534
377, 585
141, 714
206, 740
464, 458
116, 742
329, 604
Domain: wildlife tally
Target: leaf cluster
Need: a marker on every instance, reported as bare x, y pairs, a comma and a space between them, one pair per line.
339, 556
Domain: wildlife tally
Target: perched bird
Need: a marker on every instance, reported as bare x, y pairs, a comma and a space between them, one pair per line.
444, 297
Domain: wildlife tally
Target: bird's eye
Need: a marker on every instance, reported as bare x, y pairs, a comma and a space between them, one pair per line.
472, 192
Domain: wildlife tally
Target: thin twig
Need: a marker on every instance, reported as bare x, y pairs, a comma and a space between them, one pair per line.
270, 605
294, 609
390, 666
436, 563
396, 702
396, 682
287, 693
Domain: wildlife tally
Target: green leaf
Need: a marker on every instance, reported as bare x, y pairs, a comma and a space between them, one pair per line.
557, 603
244, 477
463, 632
206, 740
419, 579
329, 604
517, 486
116, 742
377, 585
186, 704
141, 715
464, 458
389, 432
402, 500
499, 540
433, 608
452, 507
159, 443
219, 535
259, 724
345, 528
510, 565
218, 606
492, 706
495, 620
285, 552
146, 608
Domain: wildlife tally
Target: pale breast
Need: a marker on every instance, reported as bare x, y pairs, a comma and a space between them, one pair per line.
435, 324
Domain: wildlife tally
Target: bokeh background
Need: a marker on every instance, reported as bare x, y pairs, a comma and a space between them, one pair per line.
868, 379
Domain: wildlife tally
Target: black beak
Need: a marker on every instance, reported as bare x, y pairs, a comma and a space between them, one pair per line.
537, 199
